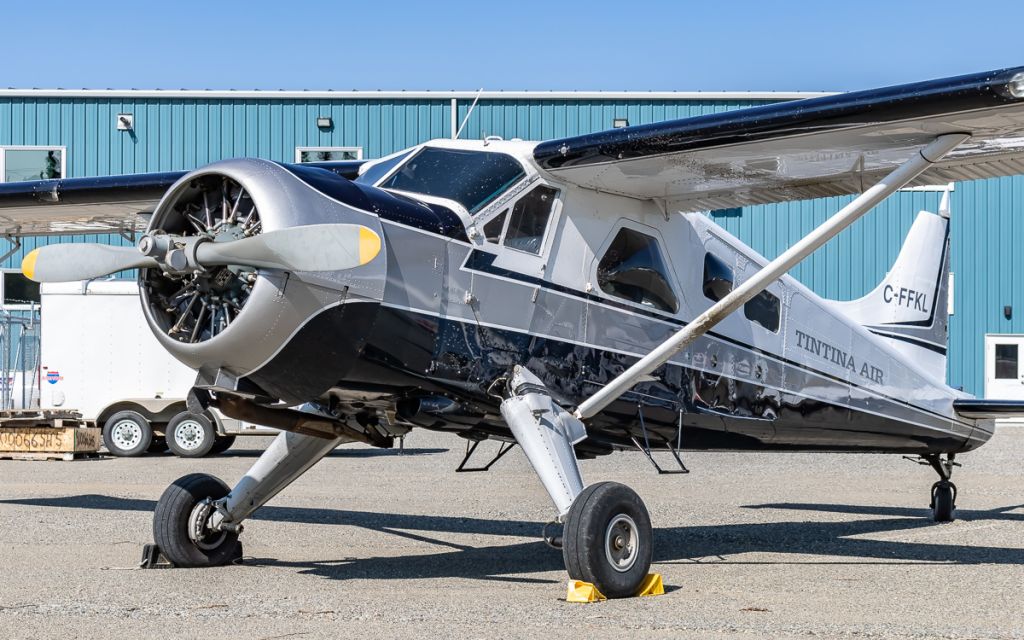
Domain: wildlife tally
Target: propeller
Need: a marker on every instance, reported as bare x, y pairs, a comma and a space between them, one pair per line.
318, 247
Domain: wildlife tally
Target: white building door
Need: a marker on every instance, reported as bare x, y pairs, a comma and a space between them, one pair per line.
1004, 366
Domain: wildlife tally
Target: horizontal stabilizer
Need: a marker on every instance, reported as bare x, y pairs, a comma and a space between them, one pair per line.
979, 409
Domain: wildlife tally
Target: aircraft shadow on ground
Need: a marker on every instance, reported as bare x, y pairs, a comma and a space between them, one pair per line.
673, 545
340, 452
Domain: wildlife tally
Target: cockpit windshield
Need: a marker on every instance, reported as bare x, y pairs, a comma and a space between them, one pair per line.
471, 178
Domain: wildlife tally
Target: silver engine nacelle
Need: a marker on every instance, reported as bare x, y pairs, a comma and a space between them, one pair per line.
230, 321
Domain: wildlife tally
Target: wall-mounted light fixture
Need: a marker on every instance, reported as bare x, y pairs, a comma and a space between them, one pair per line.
619, 123
324, 122
1008, 312
125, 122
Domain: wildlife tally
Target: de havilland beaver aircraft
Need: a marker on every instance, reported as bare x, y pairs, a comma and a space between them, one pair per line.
567, 296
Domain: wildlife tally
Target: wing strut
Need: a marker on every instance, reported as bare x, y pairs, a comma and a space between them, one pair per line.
863, 203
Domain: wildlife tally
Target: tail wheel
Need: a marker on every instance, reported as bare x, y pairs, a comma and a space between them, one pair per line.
607, 539
179, 523
943, 501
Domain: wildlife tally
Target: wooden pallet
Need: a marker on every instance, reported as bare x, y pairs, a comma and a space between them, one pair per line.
58, 418
47, 455
48, 442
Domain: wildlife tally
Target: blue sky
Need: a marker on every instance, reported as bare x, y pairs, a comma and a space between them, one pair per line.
518, 44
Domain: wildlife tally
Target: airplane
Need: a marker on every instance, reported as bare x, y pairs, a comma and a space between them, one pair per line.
569, 296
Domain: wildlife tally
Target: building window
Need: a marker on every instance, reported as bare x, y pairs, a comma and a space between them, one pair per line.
1006, 361
529, 219
17, 289
764, 310
327, 154
633, 268
31, 163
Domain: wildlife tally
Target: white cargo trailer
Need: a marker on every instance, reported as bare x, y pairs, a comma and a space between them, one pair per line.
99, 356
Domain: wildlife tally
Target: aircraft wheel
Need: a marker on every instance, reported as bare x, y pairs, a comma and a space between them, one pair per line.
179, 523
127, 434
943, 501
191, 435
222, 444
607, 539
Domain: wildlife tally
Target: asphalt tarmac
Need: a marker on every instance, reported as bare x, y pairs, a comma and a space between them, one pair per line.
371, 543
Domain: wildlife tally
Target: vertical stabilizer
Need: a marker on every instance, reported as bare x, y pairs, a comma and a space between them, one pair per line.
909, 307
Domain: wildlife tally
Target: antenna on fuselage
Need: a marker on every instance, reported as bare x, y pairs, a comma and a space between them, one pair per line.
469, 113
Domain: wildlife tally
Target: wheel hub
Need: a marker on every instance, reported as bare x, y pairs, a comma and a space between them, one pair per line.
199, 530
621, 543
126, 434
189, 435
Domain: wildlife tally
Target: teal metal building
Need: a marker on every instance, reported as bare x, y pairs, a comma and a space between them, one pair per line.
75, 133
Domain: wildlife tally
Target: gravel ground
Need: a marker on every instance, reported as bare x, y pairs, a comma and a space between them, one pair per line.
372, 543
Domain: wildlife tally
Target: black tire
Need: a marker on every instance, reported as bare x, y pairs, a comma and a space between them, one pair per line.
170, 523
222, 444
127, 434
158, 444
191, 435
600, 514
943, 501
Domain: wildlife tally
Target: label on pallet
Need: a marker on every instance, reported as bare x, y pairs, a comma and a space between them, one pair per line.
49, 439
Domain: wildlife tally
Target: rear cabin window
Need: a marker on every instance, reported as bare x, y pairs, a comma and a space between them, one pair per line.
764, 310
471, 178
529, 219
633, 268
717, 277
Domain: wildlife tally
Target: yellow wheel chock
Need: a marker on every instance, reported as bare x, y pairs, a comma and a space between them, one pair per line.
579, 591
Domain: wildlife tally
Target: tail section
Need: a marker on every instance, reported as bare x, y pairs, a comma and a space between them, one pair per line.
909, 307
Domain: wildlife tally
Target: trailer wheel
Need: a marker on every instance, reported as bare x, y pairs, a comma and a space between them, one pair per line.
191, 435
223, 443
127, 434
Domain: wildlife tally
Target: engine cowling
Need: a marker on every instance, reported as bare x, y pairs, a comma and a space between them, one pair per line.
234, 321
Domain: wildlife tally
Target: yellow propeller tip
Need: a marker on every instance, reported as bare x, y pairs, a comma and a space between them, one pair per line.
369, 245
28, 265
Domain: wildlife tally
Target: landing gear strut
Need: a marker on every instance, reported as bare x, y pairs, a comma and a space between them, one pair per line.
943, 493
198, 520
607, 537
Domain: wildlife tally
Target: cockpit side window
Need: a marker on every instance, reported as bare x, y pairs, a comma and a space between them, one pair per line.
471, 178
633, 268
493, 227
529, 219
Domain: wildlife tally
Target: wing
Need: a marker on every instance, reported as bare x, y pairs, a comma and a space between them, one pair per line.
803, 149
97, 205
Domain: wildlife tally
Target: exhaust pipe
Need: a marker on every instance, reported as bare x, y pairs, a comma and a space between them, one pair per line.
299, 422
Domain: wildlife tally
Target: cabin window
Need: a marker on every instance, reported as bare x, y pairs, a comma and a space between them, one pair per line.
493, 227
764, 310
633, 268
471, 178
529, 219
717, 277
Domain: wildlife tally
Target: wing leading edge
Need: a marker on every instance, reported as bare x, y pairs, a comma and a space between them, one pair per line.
97, 205
803, 149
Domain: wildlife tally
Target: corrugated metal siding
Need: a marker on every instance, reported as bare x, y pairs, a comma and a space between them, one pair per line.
185, 133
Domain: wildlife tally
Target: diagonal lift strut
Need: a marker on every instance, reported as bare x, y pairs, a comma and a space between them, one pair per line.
897, 179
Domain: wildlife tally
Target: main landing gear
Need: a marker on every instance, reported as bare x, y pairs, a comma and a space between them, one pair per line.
198, 520
607, 538
943, 502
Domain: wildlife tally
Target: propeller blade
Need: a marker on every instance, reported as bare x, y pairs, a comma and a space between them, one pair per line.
67, 262
316, 247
